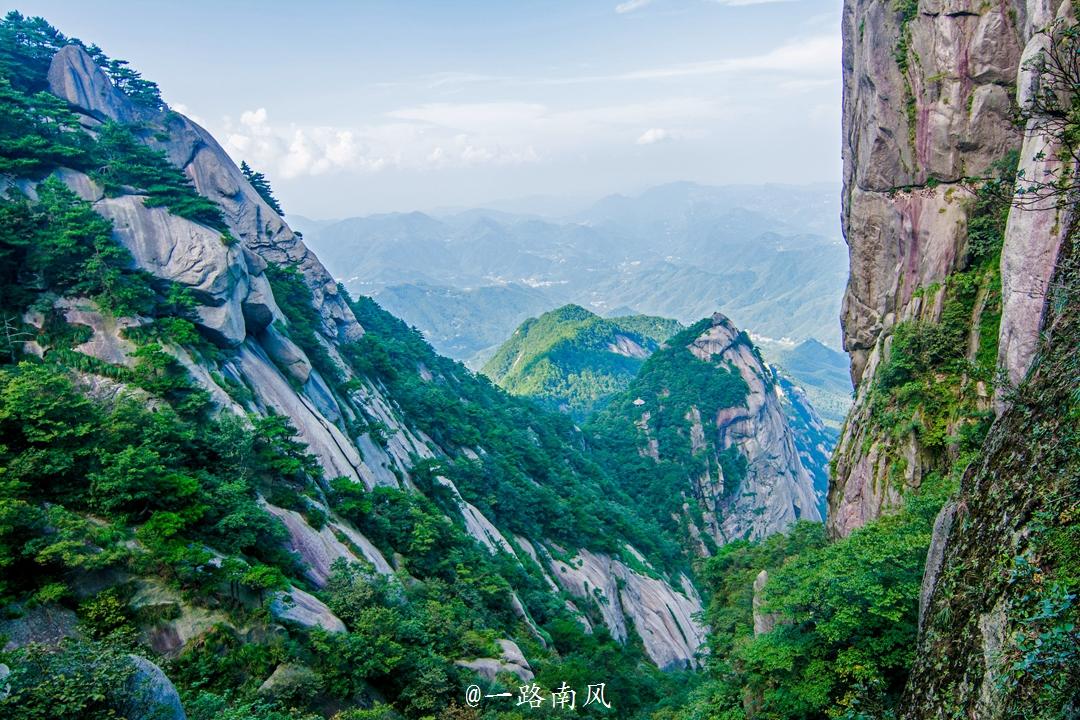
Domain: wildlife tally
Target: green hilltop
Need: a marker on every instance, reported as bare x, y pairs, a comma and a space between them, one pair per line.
574, 360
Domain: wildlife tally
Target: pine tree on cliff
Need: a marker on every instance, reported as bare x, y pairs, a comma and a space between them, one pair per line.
262, 186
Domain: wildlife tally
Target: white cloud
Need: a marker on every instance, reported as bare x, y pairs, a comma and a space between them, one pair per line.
292, 151
653, 136
436, 136
631, 6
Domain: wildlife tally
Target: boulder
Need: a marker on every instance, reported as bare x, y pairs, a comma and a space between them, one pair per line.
150, 694
306, 609
290, 683
75, 77
285, 354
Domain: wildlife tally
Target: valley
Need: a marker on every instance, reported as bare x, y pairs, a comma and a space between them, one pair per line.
437, 465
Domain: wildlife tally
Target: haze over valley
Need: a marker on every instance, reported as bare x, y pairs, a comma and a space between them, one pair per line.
770, 257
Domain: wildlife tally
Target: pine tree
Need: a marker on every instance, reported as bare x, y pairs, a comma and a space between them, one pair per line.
262, 186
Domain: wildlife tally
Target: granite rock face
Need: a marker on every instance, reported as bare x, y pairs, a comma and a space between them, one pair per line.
151, 695
662, 616
928, 105
777, 489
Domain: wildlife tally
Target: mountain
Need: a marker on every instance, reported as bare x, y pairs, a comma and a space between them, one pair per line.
767, 256
820, 371
574, 360
580, 363
231, 489
701, 432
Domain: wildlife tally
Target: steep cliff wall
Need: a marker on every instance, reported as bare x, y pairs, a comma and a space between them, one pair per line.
930, 93
999, 634
949, 250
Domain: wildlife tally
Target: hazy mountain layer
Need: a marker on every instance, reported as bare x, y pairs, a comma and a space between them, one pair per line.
768, 257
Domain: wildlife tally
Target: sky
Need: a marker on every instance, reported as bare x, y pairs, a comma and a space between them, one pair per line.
352, 108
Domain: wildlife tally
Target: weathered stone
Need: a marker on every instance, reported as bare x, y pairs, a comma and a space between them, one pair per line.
319, 548
186, 253
1033, 235
763, 622
107, 342
290, 682
306, 609
257, 316
663, 617
42, 625
75, 77
285, 354
935, 556
150, 694
777, 490
489, 669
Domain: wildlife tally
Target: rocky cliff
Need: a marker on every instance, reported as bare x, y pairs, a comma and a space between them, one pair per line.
930, 99
722, 444
960, 319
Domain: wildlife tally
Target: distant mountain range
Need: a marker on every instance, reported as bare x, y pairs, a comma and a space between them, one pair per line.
770, 257
820, 371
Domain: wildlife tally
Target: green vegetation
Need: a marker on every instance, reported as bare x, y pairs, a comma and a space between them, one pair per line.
672, 385
845, 618
532, 477
1016, 572
937, 375
573, 360
262, 186
122, 160
293, 296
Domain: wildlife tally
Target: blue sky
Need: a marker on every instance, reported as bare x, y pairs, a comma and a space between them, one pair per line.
359, 107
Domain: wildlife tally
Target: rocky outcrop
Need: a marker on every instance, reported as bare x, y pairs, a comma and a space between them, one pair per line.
320, 548
511, 660
290, 682
763, 622
927, 107
75, 77
935, 555
777, 489
150, 695
304, 608
663, 617
1035, 230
